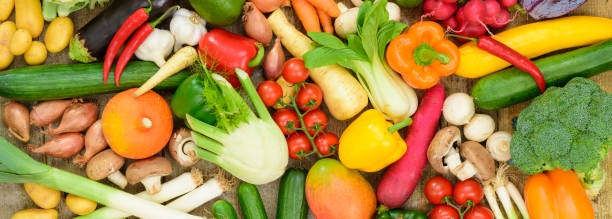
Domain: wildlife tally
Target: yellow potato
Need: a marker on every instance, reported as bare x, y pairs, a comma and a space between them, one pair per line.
36, 54
42, 196
58, 34
80, 205
35, 214
21, 41
7, 29
28, 15
6, 7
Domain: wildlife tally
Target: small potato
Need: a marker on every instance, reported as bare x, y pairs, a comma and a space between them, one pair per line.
7, 29
80, 205
35, 214
44, 197
58, 34
36, 54
21, 41
6, 7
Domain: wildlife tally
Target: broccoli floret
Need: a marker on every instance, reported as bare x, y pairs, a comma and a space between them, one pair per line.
567, 128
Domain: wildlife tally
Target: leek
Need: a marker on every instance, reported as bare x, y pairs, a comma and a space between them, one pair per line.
17, 167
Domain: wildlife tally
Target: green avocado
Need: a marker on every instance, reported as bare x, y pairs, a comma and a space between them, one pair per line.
218, 12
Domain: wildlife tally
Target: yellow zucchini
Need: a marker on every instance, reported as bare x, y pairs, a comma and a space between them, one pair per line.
28, 15
533, 40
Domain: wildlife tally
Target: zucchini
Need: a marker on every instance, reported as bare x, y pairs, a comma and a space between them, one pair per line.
250, 202
291, 196
50, 82
512, 86
223, 210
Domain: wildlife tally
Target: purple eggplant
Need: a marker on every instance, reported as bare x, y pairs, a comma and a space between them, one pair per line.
543, 9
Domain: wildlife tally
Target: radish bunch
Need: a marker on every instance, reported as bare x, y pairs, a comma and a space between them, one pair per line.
473, 18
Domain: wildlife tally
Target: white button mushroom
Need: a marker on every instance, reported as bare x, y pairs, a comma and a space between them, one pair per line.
181, 148
480, 127
458, 108
498, 145
106, 164
149, 172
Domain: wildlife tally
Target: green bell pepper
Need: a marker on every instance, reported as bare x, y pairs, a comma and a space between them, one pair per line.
385, 213
188, 98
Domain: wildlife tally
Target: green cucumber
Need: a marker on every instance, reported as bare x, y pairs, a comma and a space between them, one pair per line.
250, 202
291, 196
50, 82
223, 210
512, 86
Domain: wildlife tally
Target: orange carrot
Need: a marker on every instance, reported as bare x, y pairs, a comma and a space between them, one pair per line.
329, 6
326, 21
307, 14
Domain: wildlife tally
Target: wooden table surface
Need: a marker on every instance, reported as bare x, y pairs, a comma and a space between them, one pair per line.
14, 197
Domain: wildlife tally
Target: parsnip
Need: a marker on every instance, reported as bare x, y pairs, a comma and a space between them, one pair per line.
182, 59
288, 91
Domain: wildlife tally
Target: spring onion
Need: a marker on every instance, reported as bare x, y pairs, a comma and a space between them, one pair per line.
17, 167
499, 183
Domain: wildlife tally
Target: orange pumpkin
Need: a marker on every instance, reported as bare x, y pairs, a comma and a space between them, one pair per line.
137, 127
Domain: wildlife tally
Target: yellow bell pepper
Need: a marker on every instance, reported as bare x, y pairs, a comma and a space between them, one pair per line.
370, 143
533, 40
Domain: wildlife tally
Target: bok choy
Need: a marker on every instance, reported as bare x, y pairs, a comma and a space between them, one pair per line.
17, 167
364, 54
249, 147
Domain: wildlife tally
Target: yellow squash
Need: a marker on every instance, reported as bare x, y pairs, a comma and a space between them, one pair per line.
533, 40
28, 15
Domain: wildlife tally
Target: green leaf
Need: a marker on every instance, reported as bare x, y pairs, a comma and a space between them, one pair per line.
375, 16
354, 43
386, 33
327, 40
361, 15
323, 56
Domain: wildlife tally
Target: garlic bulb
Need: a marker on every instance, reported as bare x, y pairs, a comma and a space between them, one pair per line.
156, 47
187, 28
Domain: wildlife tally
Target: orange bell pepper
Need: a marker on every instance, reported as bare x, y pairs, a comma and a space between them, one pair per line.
422, 55
557, 194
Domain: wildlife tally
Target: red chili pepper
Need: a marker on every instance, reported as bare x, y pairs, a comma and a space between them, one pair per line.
140, 36
226, 51
127, 28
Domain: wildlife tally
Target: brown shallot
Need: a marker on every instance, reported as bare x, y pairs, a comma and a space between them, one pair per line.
48, 112
267, 6
61, 146
274, 60
76, 118
94, 143
256, 25
16, 117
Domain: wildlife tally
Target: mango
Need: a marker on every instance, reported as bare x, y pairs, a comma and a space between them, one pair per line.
336, 192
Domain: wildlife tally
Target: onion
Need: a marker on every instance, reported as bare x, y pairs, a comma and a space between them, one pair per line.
256, 25
48, 112
266, 6
76, 118
94, 143
273, 63
61, 146
16, 118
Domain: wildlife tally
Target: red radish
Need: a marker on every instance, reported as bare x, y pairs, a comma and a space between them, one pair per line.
438, 9
450, 1
451, 23
94, 143
400, 179
460, 16
48, 112
508, 3
471, 30
502, 19
61, 146
76, 118
492, 8
474, 13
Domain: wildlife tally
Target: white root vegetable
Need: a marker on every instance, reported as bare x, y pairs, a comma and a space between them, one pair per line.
498, 145
208, 191
156, 47
458, 108
489, 193
480, 127
187, 27
518, 199
179, 61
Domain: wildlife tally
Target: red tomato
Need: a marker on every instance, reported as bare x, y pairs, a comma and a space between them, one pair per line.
437, 188
479, 212
324, 141
309, 92
294, 71
315, 117
444, 212
269, 91
298, 142
468, 190
284, 116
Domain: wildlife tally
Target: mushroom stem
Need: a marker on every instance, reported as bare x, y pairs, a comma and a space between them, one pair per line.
118, 179
452, 159
464, 171
152, 184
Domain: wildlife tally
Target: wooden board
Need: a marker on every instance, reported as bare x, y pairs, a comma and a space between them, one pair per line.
15, 199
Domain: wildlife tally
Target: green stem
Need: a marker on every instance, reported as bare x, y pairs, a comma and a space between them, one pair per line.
164, 15
207, 143
148, 10
424, 55
463, 37
517, 7
248, 86
205, 129
257, 59
206, 155
400, 125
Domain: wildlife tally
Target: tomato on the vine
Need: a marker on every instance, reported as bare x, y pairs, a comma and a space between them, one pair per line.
284, 116
479, 212
269, 91
294, 71
315, 117
437, 188
309, 92
444, 212
468, 190
298, 142
324, 141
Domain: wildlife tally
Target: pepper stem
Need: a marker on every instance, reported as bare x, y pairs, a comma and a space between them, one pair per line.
400, 125
163, 16
148, 10
260, 54
424, 55
463, 37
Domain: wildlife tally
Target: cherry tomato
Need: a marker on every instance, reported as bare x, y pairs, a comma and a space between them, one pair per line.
324, 141
437, 188
284, 116
479, 212
269, 91
298, 142
309, 92
444, 212
294, 71
468, 190
315, 117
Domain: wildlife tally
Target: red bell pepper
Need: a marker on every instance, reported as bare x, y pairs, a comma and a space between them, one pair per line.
226, 51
